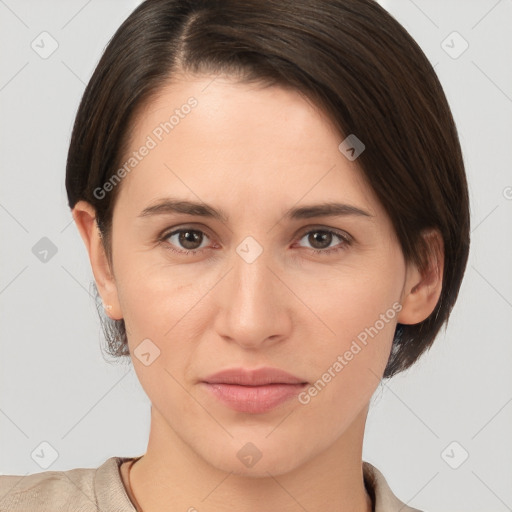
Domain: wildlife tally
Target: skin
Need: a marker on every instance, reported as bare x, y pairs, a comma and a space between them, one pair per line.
253, 152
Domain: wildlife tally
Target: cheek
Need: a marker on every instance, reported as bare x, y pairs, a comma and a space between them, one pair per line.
361, 311
154, 294
163, 302
157, 307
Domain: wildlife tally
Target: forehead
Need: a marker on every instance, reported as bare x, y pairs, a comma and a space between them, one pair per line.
220, 141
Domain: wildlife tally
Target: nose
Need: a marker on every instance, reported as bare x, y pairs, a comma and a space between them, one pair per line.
254, 306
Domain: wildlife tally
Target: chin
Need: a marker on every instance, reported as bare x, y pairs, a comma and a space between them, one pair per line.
255, 460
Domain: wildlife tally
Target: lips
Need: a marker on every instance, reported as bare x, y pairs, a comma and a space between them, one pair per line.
258, 377
253, 391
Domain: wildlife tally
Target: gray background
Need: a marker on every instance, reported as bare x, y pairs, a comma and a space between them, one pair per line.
56, 387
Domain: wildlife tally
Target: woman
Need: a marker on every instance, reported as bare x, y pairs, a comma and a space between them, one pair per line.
273, 199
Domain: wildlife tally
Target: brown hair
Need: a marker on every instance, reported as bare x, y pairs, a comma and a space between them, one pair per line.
351, 58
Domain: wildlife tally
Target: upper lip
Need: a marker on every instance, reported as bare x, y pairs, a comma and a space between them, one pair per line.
257, 377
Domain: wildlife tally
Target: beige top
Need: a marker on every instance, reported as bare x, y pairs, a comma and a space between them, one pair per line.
102, 490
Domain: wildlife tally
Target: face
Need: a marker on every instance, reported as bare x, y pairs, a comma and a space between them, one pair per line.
259, 285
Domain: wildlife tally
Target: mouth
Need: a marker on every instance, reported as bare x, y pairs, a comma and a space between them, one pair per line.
253, 391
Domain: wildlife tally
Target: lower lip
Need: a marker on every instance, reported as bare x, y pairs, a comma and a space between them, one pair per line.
254, 399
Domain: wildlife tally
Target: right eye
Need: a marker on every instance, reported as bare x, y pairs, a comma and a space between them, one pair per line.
186, 238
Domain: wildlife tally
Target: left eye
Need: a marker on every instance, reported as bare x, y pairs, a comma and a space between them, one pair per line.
326, 237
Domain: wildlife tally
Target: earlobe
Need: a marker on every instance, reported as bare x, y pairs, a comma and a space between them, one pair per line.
85, 218
423, 287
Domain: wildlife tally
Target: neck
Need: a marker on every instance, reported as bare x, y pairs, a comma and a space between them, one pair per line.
173, 477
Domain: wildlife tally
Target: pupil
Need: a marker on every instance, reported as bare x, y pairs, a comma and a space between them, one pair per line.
322, 235
189, 237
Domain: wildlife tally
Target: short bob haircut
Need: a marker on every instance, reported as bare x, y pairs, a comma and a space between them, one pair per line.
351, 58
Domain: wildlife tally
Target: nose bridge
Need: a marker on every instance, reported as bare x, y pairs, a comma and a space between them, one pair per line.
253, 280
254, 305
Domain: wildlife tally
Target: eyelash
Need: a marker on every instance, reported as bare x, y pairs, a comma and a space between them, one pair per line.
346, 241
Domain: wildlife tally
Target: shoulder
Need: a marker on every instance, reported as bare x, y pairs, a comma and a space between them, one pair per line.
79, 489
382, 495
49, 490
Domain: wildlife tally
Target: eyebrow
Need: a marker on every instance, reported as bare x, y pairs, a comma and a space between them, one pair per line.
169, 205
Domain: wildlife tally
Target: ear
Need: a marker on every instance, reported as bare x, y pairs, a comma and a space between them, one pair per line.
423, 287
84, 215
